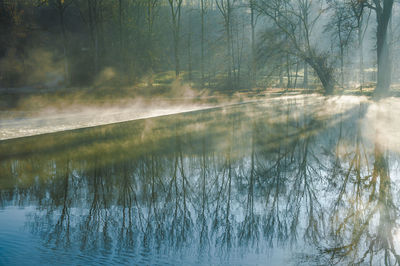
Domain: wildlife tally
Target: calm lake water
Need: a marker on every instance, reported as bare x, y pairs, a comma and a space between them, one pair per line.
295, 181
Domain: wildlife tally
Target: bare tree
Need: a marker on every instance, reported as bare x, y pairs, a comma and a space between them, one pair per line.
358, 12
253, 22
225, 7
287, 15
61, 6
383, 11
150, 18
342, 24
176, 6
203, 10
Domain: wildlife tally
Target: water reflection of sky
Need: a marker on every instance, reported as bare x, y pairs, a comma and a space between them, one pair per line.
296, 181
21, 246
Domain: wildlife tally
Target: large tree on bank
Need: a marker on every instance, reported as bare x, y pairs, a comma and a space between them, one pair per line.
383, 11
292, 18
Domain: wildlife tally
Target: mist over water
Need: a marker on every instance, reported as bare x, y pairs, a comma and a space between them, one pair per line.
49, 121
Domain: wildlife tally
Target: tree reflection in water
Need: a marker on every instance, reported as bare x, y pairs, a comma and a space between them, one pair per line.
244, 177
364, 216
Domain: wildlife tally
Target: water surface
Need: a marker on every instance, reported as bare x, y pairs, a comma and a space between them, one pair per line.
296, 181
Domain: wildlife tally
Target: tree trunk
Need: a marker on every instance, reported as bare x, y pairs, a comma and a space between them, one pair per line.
190, 47
361, 63
176, 23
151, 6
253, 76
323, 71
92, 9
280, 73
202, 43
120, 29
297, 73
384, 64
289, 80
62, 24
383, 54
342, 66
176, 54
305, 77
229, 51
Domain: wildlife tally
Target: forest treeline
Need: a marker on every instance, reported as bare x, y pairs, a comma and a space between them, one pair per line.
222, 45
